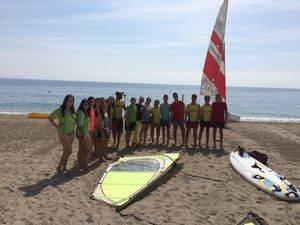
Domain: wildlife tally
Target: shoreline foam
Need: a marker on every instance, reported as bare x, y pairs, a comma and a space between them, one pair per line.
243, 118
270, 119
13, 113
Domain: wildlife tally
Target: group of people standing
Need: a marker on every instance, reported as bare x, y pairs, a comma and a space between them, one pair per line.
96, 119
91, 126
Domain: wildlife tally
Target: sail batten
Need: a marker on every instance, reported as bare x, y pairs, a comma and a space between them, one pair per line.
213, 78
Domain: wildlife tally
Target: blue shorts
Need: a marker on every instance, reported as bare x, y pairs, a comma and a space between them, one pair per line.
177, 123
165, 123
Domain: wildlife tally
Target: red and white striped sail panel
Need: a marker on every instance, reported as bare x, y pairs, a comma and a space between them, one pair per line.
213, 78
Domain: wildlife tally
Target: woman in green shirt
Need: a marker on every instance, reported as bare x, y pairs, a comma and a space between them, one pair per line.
82, 133
65, 126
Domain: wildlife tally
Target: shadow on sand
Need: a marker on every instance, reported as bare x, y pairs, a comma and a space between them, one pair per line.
144, 148
56, 180
216, 152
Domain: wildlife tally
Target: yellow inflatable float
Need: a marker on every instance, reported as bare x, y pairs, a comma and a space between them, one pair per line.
36, 115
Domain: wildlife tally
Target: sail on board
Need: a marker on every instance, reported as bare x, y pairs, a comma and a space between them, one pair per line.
213, 78
129, 177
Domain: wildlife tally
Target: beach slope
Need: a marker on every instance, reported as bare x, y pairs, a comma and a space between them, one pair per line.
30, 193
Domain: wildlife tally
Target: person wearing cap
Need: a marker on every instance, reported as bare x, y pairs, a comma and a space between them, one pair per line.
177, 117
192, 113
117, 118
219, 118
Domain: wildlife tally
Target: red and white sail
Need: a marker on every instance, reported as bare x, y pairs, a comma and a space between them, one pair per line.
213, 78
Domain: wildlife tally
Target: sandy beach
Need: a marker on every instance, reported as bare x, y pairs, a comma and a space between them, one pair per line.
30, 193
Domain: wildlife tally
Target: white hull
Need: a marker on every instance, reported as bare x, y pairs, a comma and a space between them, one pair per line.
233, 118
263, 177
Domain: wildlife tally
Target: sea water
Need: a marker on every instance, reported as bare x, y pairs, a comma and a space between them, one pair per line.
18, 96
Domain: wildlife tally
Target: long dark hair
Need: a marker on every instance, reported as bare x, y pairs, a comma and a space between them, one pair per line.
101, 110
63, 106
97, 110
81, 106
90, 99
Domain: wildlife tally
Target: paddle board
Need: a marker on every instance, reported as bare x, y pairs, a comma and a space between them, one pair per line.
263, 177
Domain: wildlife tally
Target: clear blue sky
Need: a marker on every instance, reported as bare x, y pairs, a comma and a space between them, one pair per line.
148, 41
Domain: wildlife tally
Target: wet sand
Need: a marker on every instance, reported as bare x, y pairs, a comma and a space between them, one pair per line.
30, 193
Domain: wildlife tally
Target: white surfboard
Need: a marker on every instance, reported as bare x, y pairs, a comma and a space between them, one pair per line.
263, 177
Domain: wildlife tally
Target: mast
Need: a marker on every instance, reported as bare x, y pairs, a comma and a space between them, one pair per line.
213, 78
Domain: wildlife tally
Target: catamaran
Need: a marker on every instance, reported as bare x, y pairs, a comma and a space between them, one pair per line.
213, 78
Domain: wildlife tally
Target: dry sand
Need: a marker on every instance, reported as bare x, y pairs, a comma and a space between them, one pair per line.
31, 194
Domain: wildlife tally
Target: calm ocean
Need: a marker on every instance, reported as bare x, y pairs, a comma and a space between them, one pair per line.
264, 104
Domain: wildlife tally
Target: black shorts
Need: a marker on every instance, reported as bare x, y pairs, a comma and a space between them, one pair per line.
130, 126
102, 133
117, 125
217, 124
145, 122
206, 124
164, 123
98, 134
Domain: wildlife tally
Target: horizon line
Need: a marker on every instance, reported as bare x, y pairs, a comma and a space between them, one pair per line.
114, 82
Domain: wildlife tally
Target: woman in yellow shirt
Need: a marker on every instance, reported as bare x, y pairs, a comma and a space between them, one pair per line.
155, 124
205, 121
